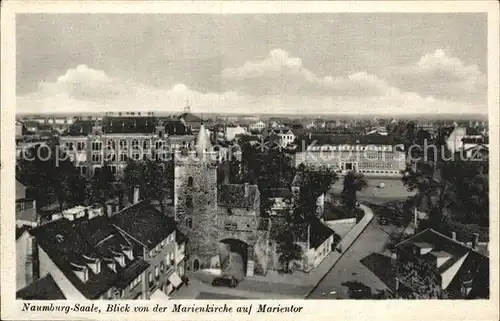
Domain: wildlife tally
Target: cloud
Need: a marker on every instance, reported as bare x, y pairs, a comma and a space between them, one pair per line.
440, 75
87, 89
280, 73
83, 89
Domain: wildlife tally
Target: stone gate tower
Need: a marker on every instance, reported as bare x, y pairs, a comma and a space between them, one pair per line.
195, 199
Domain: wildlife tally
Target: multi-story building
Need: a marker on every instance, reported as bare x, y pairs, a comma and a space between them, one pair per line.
374, 155
257, 127
115, 139
431, 265
285, 135
129, 255
219, 221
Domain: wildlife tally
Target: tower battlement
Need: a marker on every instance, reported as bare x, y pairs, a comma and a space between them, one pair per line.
209, 158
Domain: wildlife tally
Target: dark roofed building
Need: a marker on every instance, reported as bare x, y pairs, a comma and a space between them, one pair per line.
316, 240
144, 223
431, 265
44, 288
80, 128
63, 248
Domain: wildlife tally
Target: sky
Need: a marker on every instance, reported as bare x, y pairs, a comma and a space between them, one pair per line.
332, 63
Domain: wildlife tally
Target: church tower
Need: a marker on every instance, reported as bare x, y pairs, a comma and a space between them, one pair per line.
195, 199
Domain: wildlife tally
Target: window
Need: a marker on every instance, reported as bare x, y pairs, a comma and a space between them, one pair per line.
189, 202
135, 143
83, 170
150, 277
151, 253
96, 145
96, 157
123, 157
189, 222
146, 144
80, 146
159, 144
172, 258
123, 144
111, 145
190, 181
157, 272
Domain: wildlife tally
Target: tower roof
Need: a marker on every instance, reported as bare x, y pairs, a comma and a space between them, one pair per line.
203, 140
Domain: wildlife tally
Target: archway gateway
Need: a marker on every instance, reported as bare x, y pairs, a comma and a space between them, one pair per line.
233, 255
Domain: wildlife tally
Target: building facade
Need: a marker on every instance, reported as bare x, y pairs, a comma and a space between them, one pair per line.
130, 255
369, 154
115, 139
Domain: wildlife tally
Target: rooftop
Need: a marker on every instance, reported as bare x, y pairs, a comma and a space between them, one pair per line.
73, 245
144, 223
44, 288
329, 139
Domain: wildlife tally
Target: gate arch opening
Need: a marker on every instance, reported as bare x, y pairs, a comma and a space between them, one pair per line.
233, 254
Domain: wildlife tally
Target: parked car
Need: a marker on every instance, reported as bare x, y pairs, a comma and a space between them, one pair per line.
357, 290
228, 281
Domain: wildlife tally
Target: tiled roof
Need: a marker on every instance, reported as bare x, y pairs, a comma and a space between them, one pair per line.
129, 125
68, 242
190, 118
440, 244
80, 128
144, 223
317, 233
327, 139
233, 195
44, 288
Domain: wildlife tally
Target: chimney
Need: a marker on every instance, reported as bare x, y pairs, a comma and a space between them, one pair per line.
475, 241
136, 195
454, 235
247, 189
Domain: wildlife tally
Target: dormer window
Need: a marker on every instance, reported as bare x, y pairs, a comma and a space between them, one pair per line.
120, 258
81, 271
111, 264
59, 238
93, 263
127, 250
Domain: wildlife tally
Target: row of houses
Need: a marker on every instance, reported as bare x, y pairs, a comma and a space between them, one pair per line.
93, 253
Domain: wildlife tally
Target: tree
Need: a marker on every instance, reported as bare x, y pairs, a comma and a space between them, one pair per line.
283, 231
132, 175
48, 173
156, 180
353, 183
101, 185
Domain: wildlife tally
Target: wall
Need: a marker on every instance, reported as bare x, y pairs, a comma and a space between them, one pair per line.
203, 235
24, 264
165, 254
67, 288
356, 230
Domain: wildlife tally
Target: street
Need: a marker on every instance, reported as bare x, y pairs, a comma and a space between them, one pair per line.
366, 250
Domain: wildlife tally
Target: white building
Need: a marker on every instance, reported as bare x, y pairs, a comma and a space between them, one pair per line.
257, 127
232, 132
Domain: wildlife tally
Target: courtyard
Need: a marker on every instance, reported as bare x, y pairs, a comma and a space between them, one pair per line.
392, 190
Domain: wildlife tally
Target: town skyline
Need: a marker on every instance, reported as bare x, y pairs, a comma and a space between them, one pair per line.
370, 62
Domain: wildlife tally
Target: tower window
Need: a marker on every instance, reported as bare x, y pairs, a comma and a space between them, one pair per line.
190, 181
189, 202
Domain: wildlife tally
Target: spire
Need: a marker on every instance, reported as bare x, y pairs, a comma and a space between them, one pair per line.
203, 143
